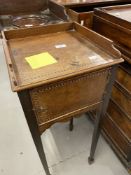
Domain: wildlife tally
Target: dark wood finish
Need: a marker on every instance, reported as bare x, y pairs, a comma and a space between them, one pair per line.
43, 99
84, 18
115, 23
64, 89
15, 14
119, 116
118, 127
23, 77
8, 7
122, 98
83, 13
78, 3
117, 123
101, 113
71, 124
58, 10
26, 103
124, 76
126, 163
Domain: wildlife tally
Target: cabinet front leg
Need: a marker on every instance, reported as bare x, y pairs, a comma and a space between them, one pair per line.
26, 103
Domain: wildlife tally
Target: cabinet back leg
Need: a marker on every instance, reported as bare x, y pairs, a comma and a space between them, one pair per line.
71, 124
101, 113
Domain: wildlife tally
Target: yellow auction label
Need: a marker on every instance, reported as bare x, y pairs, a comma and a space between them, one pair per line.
40, 60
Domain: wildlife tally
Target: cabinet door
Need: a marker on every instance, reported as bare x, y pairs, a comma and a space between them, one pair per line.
68, 97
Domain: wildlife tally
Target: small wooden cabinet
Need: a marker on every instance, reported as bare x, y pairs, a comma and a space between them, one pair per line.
66, 88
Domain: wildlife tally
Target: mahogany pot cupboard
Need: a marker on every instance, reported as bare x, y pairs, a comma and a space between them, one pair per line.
70, 83
59, 91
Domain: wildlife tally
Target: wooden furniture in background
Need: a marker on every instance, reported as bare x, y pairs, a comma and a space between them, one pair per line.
117, 123
15, 14
83, 12
115, 23
59, 91
89, 3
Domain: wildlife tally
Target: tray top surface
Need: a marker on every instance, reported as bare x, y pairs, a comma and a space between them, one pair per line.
71, 2
79, 54
123, 12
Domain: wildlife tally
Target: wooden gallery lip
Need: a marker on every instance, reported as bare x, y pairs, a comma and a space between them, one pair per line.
15, 14
115, 23
13, 39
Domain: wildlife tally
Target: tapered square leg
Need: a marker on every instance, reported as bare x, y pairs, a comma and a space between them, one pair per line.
71, 125
33, 126
101, 113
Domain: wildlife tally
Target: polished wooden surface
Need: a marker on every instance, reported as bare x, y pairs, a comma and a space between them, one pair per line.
122, 98
71, 3
120, 12
117, 123
59, 91
118, 128
83, 14
124, 76
90, 61
24, 14
89, 58
84, 18
115, 23
44, 98
21, 6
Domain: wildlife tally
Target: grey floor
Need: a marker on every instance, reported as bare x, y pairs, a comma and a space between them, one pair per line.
67, 152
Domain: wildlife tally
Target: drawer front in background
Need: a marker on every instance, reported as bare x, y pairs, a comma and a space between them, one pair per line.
116, 137
68, 96
118, 128
112, 31
124, 78
84, 18
122, 98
